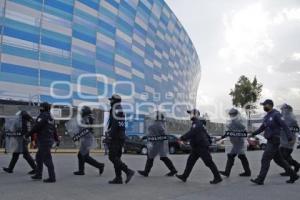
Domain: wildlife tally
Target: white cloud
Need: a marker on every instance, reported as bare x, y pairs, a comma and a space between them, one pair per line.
290, 65
246, 34
287, 15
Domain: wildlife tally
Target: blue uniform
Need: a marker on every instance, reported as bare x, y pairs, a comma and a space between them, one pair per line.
200, 142
45, 129
116, 139
272, 124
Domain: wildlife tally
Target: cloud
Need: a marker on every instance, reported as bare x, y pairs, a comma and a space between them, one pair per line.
290, 65
246, 34
287, 15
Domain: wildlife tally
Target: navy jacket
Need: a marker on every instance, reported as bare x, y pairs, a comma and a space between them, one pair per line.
116, 124
45, 129
272, 125
197, 135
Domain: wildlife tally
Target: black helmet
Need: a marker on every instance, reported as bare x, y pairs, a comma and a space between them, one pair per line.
45, 107
115, 98
233, 112
25, 115
85, 110
286, 107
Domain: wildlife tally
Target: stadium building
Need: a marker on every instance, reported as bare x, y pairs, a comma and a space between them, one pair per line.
85, 50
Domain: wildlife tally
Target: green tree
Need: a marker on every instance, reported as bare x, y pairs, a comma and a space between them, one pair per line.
246, 93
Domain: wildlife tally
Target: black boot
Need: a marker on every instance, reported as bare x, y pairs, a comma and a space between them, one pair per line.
7, 170
170, 166
116, 181
148, 167
94, 163
229, 165
182, 178
12, 164
293, 179
36, 177
81, 162
216, 180
129, 174
245, 163
49, 180
257, 181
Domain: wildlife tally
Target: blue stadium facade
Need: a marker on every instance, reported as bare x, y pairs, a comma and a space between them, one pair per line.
138, 41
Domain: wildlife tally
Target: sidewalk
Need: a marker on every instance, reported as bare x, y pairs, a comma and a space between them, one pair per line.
63, 151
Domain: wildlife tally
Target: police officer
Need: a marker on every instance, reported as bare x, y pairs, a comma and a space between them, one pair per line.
116, 139
200, 142
238, 144
272, 124
286, 148
86, 143
158, 145
25, 118
45, 129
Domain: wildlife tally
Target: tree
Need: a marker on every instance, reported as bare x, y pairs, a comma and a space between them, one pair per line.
246, 93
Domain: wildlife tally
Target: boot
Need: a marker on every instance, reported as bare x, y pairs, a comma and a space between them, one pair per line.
130, 173
116, 181
257, 181
229, 165
293, 179
12, 164
170, 166
216, 180
245, 163
36, 177
81, 161
94, 163
7, 170
148, 167
182, 178
49, 180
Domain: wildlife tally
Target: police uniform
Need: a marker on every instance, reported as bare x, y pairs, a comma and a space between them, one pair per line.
272, 125
158, 145
23, 145
116, 139
45, 130
200, 142
238, 145
286, 147
86, 143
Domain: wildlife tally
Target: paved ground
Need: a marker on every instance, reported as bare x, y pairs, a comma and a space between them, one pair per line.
18, 186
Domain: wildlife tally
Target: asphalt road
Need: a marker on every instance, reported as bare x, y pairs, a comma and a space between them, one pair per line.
18, 186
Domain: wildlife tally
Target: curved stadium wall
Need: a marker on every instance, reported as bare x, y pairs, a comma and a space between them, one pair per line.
136, 41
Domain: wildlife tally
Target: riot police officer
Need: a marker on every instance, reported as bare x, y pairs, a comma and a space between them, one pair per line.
286, 148
272, 124
238, 144
22, 148
158, 145
116, 139
200, 141
86, 143
45, 130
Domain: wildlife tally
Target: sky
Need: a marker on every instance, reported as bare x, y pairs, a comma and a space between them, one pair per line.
243, 37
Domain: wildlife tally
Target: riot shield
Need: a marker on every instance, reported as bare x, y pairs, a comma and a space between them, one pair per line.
236, 135
14, 140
